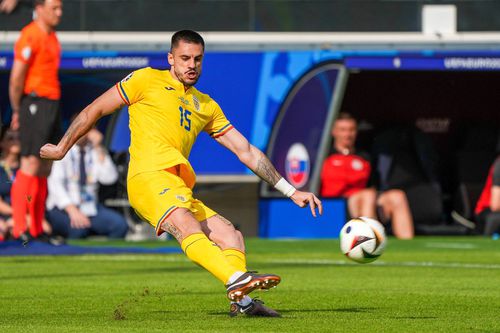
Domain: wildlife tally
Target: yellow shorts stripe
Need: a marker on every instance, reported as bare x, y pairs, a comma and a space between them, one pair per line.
163, 218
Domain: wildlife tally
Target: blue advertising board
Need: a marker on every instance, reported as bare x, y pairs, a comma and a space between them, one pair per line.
281, 218
249, 86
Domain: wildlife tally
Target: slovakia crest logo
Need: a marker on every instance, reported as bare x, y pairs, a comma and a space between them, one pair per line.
297, 165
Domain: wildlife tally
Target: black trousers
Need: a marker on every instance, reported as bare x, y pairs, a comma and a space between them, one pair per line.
489, 222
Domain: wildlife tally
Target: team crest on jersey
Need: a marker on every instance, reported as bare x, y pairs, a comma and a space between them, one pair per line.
196, 103
357, 165
26, 53
181, 198
33, 109
183, 100
127, 77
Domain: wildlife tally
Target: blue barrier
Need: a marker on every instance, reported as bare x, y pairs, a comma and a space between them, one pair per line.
281, 218
17, 248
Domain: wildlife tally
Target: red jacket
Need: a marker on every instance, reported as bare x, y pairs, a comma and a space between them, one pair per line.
485, 198
344, 175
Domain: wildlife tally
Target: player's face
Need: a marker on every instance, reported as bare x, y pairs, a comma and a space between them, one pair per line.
344, 132
185, 61
50, 12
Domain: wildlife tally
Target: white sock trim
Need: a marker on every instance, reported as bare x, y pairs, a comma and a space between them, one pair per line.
234, 277
245, 301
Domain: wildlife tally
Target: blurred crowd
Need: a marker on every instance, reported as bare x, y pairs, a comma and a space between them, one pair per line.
73, 207
39, 199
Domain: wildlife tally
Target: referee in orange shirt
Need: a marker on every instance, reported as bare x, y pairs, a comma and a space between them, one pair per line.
34, 92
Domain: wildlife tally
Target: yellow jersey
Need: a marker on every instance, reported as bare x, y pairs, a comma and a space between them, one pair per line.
165, 120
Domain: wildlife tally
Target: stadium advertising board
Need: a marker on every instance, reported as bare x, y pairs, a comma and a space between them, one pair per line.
251, 99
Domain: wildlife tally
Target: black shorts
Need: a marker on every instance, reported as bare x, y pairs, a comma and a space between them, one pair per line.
39, 123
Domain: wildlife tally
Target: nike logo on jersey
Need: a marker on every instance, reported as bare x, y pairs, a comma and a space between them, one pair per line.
169, 88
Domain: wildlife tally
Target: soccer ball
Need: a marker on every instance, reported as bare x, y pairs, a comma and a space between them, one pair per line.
362, 239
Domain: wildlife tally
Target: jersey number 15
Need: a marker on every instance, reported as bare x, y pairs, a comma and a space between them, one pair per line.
185, 120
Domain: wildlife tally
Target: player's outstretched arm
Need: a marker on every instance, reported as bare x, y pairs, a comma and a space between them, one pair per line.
105, 104
258, 162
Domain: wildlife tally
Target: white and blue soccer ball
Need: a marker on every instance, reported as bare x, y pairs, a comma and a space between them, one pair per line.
363, 239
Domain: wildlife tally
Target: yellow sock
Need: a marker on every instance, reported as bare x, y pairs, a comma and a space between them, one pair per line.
236, 258
202, 251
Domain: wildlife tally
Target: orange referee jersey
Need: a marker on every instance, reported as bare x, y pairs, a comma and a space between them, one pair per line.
42, 52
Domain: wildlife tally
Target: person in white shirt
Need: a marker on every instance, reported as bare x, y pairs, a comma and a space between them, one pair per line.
73, 207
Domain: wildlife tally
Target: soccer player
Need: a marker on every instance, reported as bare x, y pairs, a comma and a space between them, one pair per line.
166, 115
34, 92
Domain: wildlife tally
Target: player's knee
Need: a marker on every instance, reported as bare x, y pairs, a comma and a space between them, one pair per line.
31, 165
241, 241
182, 223
397, 197
370, 195
230, 238
239, 235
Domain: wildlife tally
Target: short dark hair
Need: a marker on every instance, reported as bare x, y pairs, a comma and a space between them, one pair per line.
38, 3
345, 116
188, 36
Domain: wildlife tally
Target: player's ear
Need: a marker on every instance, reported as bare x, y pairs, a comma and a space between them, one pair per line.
170, 58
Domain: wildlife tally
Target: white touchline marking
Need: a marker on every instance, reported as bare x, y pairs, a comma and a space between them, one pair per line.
452, 245
179, 258
383, 263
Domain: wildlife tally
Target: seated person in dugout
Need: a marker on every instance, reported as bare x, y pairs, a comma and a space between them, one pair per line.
346, 173
488, 206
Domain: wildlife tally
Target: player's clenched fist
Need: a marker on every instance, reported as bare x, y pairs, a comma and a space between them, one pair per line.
51, 152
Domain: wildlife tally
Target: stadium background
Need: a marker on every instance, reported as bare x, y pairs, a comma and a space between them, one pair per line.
395, 75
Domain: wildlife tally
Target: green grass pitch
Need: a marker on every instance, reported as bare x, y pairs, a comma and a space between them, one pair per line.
432, 284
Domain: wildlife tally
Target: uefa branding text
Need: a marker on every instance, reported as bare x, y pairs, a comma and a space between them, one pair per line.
115, 62
472, 63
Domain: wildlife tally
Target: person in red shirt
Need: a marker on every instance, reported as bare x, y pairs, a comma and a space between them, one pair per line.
346, 173
34, 92
488, 206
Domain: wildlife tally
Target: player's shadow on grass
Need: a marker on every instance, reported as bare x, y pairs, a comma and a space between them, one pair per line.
264, 266
292, 311
349, 310
414, 317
